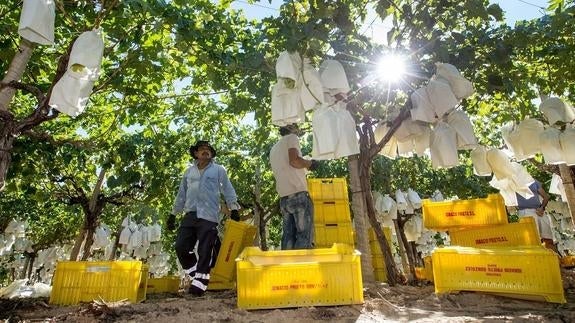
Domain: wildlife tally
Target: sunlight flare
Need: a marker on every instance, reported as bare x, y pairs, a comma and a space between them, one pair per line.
391, 68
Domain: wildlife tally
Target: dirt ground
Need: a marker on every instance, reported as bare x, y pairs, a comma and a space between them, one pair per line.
400, 303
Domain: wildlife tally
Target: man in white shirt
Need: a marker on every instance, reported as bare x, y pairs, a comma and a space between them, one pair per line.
288, 167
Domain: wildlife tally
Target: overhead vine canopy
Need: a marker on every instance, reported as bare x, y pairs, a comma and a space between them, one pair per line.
177, 71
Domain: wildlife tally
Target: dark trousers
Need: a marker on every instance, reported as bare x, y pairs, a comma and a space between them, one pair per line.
205, 233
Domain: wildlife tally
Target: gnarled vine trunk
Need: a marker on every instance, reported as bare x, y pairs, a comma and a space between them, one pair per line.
359, 219
567, 178
7, 124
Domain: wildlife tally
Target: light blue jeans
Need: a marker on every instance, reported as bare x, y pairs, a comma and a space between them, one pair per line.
297, 212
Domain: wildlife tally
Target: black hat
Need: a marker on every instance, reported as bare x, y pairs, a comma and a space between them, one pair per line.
199, 144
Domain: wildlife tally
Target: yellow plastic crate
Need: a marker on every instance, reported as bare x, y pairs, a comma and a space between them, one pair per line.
374, 244
377, 259
380, 274
327, 189
568, 261
428, 268
305, 277
464, 213
331, 212
169, 284
378, 262
526, 273
326, 235
220, 283
237, 236
420, 273
386, 232
523, 233
85, 281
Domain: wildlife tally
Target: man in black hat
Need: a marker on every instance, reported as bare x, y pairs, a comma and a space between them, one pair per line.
201, 188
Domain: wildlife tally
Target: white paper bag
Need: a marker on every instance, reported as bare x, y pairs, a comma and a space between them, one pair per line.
479, 159
441, 96
462, 88
556, 187
567, 141
556, 110
512, 139
333, 76
405, 148
86, 55
414, 198
325, 131
70, 95
528, 132
459, 121
437, 196
288, 65
421, 142
422, 109
400, 200
125, 236
348, 143
286, 105
390, 148
37, 21
311, 91
443, 146
499, 163
550, 146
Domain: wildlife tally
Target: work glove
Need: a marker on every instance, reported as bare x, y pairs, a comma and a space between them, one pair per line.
171, 222
235, 215
314, 165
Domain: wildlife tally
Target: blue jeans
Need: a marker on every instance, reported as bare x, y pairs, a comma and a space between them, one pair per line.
297, 212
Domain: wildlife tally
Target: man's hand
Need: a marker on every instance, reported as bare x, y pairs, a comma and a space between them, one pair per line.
171, 222
314, 165
235, 215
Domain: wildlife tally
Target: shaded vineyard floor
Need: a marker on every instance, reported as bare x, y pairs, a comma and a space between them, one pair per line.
382, 304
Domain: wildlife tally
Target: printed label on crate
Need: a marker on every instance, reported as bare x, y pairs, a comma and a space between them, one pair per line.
98, 269
517, 272
512, 234
491, 240
299, 286
460, 213
229, 252
494, 270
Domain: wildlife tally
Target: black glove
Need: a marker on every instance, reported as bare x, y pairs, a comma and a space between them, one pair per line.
314, 165
171, 222
235, 215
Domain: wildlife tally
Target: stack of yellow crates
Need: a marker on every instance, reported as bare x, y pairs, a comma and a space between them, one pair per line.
487, 254
377, 258
332, 218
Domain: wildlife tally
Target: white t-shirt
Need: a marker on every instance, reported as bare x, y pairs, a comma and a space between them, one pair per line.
289, 180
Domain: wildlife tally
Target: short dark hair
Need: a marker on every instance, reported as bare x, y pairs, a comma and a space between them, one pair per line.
285, 131
288, 129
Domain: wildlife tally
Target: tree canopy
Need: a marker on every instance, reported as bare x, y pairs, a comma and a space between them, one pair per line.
178, 71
